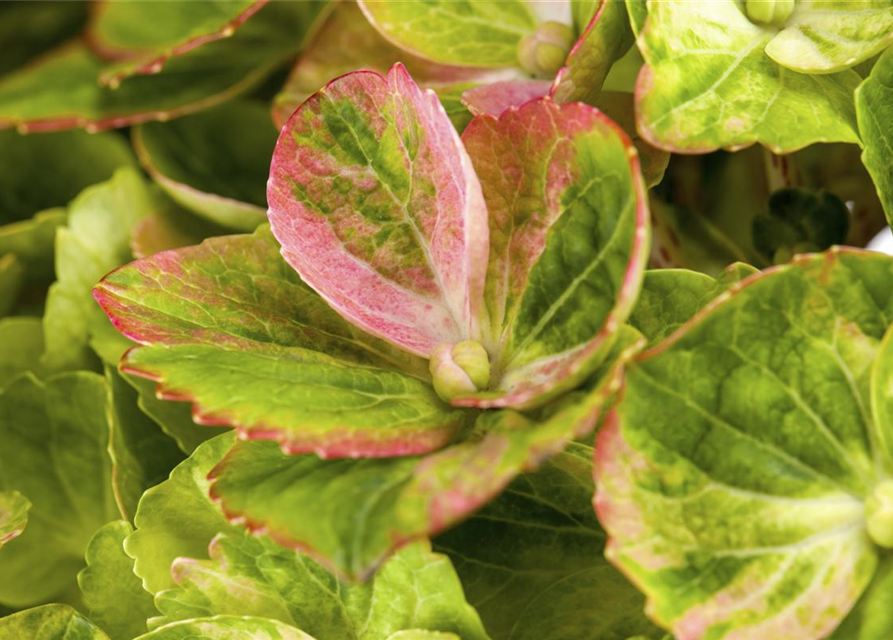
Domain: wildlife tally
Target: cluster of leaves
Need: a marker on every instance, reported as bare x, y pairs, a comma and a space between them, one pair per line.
326, 320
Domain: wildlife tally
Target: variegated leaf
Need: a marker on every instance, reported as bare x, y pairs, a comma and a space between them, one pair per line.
352, 514
229, 326
377, 206
708, 84
568, 243
732, 474
469, 33
822, 36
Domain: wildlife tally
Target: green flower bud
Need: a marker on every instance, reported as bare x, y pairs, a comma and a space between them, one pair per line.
879, 515
773, 12
460, 368
543, 52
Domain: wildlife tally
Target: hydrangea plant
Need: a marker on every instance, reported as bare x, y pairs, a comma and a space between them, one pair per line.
423, 277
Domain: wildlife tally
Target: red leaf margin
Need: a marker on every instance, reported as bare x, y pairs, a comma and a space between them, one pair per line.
448, 508
156, 62
629, 289
610, 444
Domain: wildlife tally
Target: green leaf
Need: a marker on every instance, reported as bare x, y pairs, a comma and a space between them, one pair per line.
347, 42
29, 28
871, 618
348, 514
622, 76
475, 34
417, 634
12, 273
365, 176
99, 237
21, 348
42, 171
620, 107
214, 163
170, 227
873, 105
14, 509
671, 297
233, 321
533, 565
638, 14
174, 418
344, 43
821, 36
568, 242
62, 89
146, 35
113, 594
95, 241
732, 476
416, 589
55, 438
351, 514
142, 455
881, 397
582, 13
176, 519
226, 628
49, 622
605, 39
32, 242
705, 89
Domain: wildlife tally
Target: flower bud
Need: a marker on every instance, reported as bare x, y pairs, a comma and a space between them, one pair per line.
771, 12
879, 515
459, 368
542, 53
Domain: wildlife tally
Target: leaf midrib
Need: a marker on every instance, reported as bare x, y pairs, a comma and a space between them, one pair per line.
596, 261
